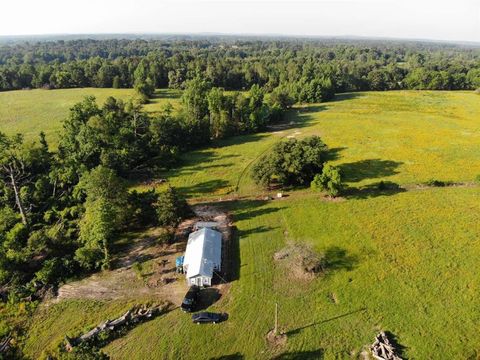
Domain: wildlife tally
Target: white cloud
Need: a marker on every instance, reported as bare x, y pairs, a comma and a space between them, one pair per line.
433, 19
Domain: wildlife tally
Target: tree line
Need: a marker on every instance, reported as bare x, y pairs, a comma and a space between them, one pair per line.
293, 64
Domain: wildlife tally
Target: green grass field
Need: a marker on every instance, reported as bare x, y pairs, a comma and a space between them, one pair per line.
401, 261
31, 111
406, 137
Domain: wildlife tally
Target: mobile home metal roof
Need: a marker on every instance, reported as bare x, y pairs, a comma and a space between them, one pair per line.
204, 253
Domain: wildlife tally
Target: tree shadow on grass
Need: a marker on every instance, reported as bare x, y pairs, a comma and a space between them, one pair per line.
337, 259
382, 188
347, 96
334, 153
205, 187
296, 118
256, 230
255, 213
369, 169
166, 94
301, 355
299, 329
236, 356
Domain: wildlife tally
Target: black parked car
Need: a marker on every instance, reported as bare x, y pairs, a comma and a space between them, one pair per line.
206, 317
190, 300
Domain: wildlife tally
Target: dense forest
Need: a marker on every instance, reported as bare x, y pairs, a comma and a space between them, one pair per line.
300, 66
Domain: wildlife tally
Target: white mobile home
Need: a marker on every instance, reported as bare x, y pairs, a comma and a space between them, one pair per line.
203, 256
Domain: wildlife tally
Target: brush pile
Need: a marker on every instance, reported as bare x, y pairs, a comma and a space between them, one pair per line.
133, 316
383, 349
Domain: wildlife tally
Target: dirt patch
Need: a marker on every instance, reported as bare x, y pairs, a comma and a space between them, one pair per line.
141, 249
158, 279
146, 268
276, 340
301, 260
327, 198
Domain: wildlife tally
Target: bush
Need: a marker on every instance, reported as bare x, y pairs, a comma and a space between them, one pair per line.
138, 269
165, 236
330, 180
51, 271
477, 179
438, 183
84, 351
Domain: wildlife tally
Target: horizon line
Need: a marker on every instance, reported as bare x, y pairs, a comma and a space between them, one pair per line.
200, 34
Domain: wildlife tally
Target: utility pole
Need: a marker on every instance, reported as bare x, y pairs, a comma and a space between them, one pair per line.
275, 329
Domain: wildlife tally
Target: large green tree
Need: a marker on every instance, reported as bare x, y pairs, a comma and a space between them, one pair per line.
291, 162
106, 200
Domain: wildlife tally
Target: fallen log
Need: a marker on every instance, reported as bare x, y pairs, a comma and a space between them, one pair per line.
5, 344
132, 316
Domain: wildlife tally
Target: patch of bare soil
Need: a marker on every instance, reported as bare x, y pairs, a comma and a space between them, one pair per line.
124, 283
276, 340
158, 276
301, 260
327, 198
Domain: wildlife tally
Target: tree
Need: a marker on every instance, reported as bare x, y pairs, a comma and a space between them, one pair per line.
330, 180
13, 168
194, 98
106, 199
21, 169
280, 97
317, 90
145, 87
171, 208
218, 108
195, 112
291, 162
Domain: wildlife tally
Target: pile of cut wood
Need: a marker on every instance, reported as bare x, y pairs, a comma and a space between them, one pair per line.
135, 315
383, 349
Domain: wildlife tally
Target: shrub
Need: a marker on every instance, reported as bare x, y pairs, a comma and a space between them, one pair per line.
330, 180
138, 268
477, 179
438, 183
165, 236
50, 272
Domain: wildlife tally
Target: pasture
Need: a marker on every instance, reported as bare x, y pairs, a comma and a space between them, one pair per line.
404, 261
31, 111
405, 137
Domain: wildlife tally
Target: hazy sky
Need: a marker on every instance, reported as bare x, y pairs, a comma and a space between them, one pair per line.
429, 19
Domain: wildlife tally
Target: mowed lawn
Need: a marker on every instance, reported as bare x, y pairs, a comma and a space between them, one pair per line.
31, 111
400, 261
